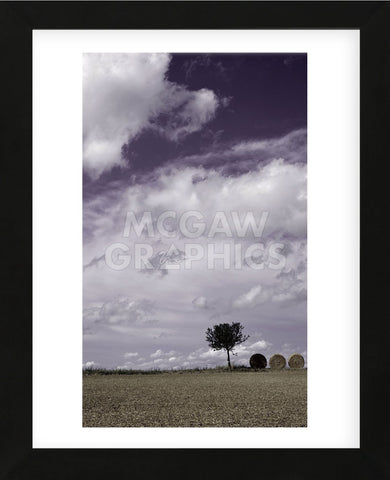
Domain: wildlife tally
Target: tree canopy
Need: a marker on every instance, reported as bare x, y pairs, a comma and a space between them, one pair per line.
226, 336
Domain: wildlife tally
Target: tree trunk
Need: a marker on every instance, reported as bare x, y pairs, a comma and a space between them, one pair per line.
228, 354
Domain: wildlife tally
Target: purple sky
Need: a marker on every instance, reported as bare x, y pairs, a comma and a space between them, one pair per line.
193, 132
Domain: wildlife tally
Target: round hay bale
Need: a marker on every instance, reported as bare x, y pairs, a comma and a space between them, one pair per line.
258, 360
296, 361
277, 362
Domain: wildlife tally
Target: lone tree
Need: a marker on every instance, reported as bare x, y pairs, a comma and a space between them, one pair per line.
225, 337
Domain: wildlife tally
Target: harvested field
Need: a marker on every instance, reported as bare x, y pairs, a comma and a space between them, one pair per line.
197, 399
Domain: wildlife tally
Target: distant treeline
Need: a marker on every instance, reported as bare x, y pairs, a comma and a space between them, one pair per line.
156, 371
125, 371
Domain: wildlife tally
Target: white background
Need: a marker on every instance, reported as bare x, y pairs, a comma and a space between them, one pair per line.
333, 237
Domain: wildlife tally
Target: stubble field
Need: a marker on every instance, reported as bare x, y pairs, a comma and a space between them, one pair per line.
196, 399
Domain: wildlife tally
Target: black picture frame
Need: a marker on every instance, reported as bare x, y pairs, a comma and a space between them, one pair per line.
18, 459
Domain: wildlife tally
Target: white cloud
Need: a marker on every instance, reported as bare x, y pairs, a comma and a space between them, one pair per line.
278, 188
254, 295
260, 344
190, 111
213, 354
202, 357
288, 286
292, 147
119, 94
130, 354
200, 302
126, 93
156, 354
206, 357
90, 364
120, 312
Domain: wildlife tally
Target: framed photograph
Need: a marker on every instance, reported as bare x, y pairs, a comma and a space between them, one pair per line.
194, 217
195, 224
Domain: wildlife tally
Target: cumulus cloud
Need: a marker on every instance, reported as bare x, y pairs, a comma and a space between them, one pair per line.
130, 354
119, 93
203, 357
261, 344
90, 364
185, 112
200, 302
288, 286
253, 296
123, 94
120, 312
161, 357
156, 354
278, 188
